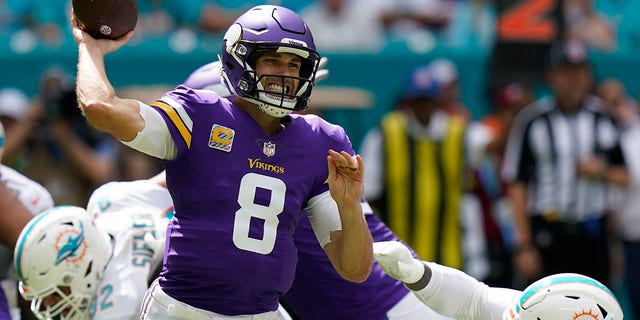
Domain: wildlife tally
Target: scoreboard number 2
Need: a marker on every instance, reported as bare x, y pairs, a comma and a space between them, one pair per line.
528, 20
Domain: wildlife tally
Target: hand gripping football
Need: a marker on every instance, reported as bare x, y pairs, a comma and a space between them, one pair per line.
106, 19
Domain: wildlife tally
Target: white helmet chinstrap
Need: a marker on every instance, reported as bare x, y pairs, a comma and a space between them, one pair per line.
61, 253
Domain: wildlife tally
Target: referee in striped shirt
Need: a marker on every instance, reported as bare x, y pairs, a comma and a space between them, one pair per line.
562, 153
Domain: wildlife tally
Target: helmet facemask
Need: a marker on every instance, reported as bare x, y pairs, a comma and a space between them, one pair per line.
70, 306
60, 260
269, 29
277, 104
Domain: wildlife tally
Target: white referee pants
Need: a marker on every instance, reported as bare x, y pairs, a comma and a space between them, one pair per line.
157, 305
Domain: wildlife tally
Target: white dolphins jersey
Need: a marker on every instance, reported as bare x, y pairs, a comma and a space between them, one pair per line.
127, 211
32, 194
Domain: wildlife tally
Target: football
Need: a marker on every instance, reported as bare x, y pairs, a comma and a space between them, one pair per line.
106, 19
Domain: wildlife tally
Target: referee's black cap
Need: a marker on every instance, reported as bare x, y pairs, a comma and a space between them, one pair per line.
565, 53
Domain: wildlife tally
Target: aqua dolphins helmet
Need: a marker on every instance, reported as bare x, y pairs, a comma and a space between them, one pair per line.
61, 252
276, 29
565, 296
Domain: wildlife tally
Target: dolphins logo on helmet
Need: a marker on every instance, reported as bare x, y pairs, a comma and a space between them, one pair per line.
74, 247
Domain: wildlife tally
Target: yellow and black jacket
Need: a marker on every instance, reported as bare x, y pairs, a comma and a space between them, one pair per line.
423, 188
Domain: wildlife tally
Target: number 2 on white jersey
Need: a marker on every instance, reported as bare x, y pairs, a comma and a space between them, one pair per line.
249, 209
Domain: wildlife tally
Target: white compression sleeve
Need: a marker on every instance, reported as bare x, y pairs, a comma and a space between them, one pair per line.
455, 294
323, 216
155, 139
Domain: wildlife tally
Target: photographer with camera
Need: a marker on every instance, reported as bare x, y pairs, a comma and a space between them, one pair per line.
67, 156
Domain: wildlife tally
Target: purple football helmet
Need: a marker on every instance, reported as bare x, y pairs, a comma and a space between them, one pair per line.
268, 28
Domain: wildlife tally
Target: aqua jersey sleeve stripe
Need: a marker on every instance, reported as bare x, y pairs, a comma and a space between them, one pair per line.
175, 118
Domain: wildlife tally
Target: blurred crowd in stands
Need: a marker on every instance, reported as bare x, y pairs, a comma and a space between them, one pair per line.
48, 140
362, 25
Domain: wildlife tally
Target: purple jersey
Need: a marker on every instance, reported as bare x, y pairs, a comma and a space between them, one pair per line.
238, 195
4, 306
319, 292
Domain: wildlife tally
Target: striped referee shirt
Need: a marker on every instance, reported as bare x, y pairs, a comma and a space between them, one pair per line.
543, 150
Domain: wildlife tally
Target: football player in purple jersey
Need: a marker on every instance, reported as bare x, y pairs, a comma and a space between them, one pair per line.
318, 292
240, 170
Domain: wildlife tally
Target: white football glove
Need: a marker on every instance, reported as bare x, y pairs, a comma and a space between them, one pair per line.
322, 72
396, 260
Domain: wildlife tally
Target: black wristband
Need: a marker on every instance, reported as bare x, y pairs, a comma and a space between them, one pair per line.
422, 283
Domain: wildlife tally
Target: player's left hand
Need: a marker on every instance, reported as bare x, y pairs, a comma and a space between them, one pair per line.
346, 177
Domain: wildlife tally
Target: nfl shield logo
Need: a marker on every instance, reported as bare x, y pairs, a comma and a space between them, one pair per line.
269, 149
